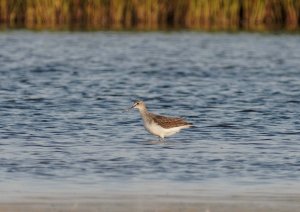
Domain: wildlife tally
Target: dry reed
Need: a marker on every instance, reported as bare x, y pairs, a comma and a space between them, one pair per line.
151, 14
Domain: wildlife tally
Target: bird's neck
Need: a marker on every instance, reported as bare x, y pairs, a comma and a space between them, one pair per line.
144, 113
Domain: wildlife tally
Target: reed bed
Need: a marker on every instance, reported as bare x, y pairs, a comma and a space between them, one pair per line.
151, 14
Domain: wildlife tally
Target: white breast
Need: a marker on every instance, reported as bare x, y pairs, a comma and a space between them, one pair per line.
157, 130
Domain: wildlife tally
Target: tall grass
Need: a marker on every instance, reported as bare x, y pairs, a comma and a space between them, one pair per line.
151, 14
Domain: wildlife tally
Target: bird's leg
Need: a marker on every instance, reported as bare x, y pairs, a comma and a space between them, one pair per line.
162, 139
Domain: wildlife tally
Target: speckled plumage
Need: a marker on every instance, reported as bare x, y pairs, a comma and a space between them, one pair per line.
158, 125
168, 122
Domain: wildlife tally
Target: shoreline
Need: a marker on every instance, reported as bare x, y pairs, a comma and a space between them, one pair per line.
153, 198
115, 203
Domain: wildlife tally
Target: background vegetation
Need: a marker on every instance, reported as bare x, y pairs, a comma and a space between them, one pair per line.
151, 14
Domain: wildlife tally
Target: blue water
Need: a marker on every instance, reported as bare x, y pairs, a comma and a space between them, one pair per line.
62, 96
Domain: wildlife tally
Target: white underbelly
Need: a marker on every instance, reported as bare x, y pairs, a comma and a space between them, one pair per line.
157, 130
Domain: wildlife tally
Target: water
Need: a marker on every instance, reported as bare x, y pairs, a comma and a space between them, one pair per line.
62, 96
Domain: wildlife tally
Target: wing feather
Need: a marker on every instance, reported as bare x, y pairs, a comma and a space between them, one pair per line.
169, 122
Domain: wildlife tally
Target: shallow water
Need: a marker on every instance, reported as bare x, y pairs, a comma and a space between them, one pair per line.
62, 96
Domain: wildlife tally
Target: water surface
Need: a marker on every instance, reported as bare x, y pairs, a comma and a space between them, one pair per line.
62, 96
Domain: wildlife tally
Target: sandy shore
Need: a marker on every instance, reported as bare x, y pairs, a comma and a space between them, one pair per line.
148, 197
158, 203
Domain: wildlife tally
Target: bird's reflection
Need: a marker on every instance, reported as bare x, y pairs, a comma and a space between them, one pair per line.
153, 142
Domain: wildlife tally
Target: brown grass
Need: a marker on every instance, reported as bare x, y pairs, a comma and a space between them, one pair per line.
151, 14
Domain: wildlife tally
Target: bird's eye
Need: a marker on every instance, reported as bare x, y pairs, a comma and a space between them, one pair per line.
137, 103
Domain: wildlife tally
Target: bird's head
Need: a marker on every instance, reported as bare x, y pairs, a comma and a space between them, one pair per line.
140, 105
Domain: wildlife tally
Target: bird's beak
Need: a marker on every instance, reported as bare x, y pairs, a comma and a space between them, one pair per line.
126, 110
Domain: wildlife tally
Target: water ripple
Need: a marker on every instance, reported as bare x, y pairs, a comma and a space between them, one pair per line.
61, 106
